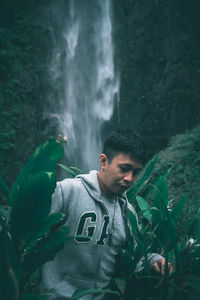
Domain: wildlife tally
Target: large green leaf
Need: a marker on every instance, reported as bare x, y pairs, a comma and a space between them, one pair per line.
131, 194
45, 250
160, 201
167, 221
80, 293
33, 205
77, 170
144, 207
134, 224
54, 220
44, 159
161, 192
138, 237
177, 210
68, 170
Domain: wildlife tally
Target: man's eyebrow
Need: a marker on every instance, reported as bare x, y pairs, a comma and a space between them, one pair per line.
125, 165
129, 166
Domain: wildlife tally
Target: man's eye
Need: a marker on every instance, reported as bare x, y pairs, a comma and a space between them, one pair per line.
123, 169
136, 172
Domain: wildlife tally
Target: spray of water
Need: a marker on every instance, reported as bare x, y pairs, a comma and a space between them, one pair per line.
89, 80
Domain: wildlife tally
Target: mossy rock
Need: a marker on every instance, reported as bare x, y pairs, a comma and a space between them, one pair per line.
180, 163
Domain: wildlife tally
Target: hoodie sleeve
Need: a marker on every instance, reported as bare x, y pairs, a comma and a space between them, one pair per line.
151, 258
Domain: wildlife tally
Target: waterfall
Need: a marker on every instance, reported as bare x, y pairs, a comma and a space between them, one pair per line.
88, 79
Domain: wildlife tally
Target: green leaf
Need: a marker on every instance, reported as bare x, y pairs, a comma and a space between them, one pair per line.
80, 293
160, 201
53, 220
44, 159
131, 194
177, 210
161, 192
144, 207
79, 171
156, 216
45, 250
133, 222
143, 204
33, 206
136, 233
68, 170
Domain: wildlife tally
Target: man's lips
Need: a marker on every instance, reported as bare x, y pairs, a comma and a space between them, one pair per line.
124, 186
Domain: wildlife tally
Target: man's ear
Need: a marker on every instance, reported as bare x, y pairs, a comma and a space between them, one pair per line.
103, 160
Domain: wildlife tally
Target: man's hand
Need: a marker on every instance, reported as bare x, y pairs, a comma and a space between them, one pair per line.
159, 266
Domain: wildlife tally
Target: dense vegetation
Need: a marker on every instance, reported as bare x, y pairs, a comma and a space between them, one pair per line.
24, 58
158, 232
180, 165
29, 236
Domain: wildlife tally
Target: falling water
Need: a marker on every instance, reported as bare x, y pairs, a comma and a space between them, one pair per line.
90, 84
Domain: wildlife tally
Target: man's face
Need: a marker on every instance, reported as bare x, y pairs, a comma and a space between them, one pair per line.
119, 174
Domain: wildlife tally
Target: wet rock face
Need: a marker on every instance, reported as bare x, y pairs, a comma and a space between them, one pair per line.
25, 43
158, 54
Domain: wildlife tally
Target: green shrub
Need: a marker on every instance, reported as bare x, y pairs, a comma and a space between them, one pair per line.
157, 231
179, 163
29, 236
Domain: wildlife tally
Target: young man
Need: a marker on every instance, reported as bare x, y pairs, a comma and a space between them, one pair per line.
93, 204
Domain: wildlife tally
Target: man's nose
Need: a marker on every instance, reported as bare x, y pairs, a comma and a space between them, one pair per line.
129, 177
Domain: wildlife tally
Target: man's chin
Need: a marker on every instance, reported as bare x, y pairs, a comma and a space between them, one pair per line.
122, 189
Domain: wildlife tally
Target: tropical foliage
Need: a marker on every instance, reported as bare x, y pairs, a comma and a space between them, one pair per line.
179, 163
30, 236
157, 232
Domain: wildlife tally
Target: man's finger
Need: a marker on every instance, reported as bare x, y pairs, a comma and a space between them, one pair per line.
171, 269
159, 266
162, 263
156, 266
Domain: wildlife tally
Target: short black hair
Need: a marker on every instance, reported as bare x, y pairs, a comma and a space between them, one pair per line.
124, 141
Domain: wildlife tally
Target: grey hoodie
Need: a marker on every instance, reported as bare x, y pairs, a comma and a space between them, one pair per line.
88, 261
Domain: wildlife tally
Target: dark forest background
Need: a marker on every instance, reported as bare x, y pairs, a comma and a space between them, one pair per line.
157, 50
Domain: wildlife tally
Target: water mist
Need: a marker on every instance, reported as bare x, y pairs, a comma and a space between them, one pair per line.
89, 83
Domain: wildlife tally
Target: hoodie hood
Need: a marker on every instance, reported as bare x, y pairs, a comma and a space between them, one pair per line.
91, 183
